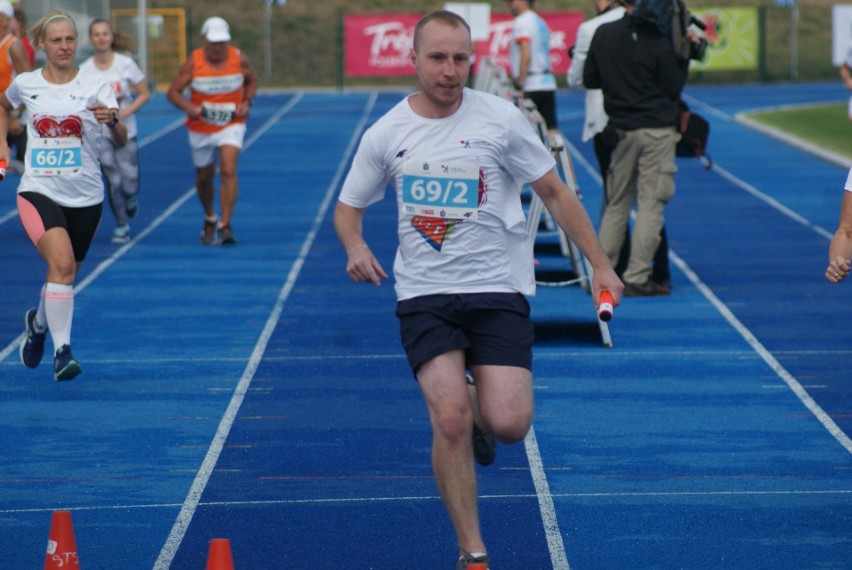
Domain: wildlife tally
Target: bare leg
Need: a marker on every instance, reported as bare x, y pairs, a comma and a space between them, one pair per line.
445, 391
503, 402
204, 188
229, 188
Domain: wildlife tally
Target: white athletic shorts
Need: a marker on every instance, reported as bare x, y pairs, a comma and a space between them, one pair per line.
204, 146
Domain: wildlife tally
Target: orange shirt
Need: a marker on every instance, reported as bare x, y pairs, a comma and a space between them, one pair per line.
217, 90
7, 70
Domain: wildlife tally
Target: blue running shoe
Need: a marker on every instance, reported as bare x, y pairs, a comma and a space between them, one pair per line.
65, 366
32, 347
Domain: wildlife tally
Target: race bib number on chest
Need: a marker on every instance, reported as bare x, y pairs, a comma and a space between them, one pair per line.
219, 114
55, 156
440, 190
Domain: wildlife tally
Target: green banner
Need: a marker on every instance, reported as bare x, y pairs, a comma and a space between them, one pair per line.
733, 35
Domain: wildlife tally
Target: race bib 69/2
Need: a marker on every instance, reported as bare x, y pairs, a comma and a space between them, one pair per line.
440, 190
55, 156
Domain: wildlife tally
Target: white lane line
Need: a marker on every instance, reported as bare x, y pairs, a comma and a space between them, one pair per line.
794, 493
555, 545
193, 498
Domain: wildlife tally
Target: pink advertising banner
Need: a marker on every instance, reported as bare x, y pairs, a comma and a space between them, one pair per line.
379, 44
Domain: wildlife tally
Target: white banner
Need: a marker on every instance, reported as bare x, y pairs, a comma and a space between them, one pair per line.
841, 37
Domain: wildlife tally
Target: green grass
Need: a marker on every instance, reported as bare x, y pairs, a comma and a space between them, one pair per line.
827, 126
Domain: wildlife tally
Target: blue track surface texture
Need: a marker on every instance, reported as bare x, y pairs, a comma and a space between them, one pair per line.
255, 393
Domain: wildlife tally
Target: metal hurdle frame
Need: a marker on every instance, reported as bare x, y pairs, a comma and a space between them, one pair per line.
493, 79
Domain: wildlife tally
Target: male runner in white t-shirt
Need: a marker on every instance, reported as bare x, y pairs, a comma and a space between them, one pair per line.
457, 159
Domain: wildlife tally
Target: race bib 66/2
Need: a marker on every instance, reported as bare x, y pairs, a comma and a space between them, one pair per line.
55, 156
439, 190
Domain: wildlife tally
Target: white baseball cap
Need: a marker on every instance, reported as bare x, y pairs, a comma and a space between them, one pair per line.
6, 8
215, 29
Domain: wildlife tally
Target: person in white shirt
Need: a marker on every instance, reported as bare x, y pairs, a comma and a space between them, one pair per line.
61, 193
846, 75
840, 249
529, 59
120, 165
596, 119
457, 159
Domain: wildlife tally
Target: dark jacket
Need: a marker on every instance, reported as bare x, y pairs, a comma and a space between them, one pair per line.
639, 73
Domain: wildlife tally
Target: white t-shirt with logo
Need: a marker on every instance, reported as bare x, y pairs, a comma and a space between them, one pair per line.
530, 27
63, 136
491, 253
122, 76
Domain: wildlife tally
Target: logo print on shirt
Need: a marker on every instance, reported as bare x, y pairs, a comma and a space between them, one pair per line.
401, 153
436, 230
50, 127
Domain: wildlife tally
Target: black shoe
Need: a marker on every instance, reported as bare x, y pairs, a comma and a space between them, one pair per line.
484, 444
226, 236
208, 232
646, 289
663, 282
484, 447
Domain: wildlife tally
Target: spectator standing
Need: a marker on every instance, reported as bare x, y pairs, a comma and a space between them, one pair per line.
120, 165
461, 280
641, 77
222, 87
529, 58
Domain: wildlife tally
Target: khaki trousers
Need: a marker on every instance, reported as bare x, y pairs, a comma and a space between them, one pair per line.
642, 171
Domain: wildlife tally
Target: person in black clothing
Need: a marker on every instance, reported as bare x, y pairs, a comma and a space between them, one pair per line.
641, 77
604, 136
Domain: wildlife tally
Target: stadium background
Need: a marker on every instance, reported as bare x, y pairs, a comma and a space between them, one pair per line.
306, 35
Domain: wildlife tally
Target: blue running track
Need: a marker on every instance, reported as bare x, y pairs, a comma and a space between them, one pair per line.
255, 393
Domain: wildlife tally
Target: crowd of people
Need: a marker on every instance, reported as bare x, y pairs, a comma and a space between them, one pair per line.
461, 283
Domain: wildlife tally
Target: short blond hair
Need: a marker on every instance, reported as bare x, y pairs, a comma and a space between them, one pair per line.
441, 16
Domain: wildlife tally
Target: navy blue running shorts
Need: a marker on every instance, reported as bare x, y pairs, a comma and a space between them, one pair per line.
491, 328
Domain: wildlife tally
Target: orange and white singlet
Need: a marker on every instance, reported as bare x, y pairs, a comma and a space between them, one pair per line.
7, 69
217, 91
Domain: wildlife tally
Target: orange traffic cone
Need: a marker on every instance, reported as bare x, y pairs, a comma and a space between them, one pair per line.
219, 557
61, 546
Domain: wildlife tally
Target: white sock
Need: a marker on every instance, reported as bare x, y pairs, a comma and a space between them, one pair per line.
40, 323
59, 309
